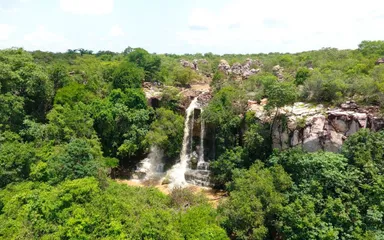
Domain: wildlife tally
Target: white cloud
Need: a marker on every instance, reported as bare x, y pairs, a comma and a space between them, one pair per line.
116, 31
42, 39
5, 31
87, 7
280, 25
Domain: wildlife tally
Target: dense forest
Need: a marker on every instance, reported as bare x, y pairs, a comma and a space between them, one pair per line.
70, 123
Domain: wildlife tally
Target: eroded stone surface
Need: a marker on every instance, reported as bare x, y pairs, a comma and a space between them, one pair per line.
316, 128
245, 70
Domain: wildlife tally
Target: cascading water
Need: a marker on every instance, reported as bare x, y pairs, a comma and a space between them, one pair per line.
202, 135
192, 168
200, 174
152, 166
177, 173
201, 163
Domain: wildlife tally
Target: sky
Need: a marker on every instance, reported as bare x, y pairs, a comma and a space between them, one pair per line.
193, 26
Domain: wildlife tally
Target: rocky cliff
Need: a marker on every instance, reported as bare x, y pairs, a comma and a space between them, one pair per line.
316, 127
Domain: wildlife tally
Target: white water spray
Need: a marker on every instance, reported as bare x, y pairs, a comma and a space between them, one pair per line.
152, 166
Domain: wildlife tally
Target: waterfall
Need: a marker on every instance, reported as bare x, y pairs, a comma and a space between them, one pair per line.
202, 135
152, 166
177, 173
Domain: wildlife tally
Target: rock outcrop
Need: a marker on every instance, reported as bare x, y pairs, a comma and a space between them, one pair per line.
278, 72
153, 93
315, 127
243, 70
187, 64
194, 64
224, 66
379, 61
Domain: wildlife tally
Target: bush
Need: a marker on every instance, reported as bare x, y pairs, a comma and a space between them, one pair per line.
184, 76
301, 76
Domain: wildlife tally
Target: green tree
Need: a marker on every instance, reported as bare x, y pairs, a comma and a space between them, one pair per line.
11, 112
256, 197
127, 75
77, 159
166, 132
224, 114
122, 121
67, 122
302, 74
228, 162
73, 94
372, 48
20, 76
58, 74
150, 63
16, 158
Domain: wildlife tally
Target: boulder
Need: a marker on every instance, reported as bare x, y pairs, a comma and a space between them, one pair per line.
312, 143
278, 72
317, 125
361, 119
340, 125
379, 61
353, 128
295, 138
334, 142
349, 105
224, 67
243, 70
188, 64
248, 73
237, 69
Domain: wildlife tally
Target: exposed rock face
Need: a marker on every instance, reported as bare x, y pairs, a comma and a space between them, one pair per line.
194, 64
224, 66
152, 93
187, 64
278, 72
379, 61
244, 70
316, 128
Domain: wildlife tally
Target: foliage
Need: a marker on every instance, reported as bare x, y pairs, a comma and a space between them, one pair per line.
16, 158
11, 111
149, 62
77, 159
279, 94
255, 199
171, 99
21, 77
223, 113
67, 122
127, 75
79, 209
122, 121
183, 76
301, 75
372, 47
228, 162
329, 198
73, 93
67, 118
166, 132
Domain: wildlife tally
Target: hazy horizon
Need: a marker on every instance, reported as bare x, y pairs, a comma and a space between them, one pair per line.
220, 27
